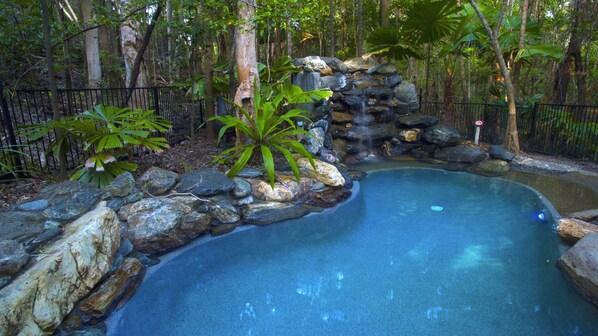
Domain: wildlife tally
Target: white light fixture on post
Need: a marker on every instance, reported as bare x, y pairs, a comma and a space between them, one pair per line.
478, 125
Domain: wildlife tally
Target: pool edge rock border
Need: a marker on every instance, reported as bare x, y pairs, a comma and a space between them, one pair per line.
197, 216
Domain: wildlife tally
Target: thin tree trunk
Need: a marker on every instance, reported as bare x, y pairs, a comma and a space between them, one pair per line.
246, 60
512, 136
518, 64
289, 36
108, 45
169, 44
209, 99
359, 28
137, 65
52, 82
92, 46
384, 13
331, 28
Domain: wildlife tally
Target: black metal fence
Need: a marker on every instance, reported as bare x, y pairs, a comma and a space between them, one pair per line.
26, 107
567, 130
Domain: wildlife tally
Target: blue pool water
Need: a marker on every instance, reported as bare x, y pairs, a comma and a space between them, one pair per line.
415, 252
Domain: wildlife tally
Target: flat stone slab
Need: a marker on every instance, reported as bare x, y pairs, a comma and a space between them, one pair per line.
417, 120
69, 200
20, 225
271, 212
461, 154
205, 182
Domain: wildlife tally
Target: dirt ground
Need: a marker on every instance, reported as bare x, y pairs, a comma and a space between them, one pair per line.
190, 155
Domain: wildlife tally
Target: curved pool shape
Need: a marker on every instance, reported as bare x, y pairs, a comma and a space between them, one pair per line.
416, 252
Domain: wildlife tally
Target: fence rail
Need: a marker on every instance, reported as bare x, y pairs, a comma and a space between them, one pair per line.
26, 107
567, 130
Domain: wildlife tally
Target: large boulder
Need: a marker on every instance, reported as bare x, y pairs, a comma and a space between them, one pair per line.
271, 212
157, 181
224, 212
205, 182
442, 136
383, 69
36, 302
13, 257
315, 64
580, 266
158, 225
360, 64
242, 188
113, 292
123, 185
20, 225
324, 172
406, 95
70, 199
285, 188
417, 120
335, 64
328, 197
570, 230
461, 154
490, 168
373, 132
409, 135
497, 152
314, 143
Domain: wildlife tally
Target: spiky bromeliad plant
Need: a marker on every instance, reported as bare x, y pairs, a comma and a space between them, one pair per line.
270, 129
107, 133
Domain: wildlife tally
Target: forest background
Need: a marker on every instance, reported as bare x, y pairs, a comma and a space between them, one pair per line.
177, 42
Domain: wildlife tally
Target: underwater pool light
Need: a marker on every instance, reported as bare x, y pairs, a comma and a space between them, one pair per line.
540, 215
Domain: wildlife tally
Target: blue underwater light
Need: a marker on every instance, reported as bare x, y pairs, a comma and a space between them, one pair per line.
540, 215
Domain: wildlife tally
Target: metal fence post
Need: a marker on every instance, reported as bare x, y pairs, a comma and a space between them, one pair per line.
532, 132
156, 100
12, 139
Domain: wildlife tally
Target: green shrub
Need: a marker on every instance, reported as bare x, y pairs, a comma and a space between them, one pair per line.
107, 133
270, 129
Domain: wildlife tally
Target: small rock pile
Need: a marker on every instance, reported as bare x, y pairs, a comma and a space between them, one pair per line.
72, 256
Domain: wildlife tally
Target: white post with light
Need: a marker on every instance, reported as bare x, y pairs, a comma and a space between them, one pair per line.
478, 125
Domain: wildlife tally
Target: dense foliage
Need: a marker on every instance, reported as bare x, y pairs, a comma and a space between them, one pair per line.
190, 33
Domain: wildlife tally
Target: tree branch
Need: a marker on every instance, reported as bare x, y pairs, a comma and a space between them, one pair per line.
86, 29
141, 52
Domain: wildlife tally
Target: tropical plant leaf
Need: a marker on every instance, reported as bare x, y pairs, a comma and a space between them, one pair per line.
268, 161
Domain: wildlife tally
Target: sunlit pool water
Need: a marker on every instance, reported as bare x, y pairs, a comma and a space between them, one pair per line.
415, 252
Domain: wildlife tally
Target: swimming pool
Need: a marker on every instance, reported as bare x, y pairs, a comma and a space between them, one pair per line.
415, 252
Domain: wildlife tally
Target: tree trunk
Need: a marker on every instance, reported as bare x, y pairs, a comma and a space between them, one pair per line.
138, 69
359, 50
447, 115
289, 35
331, 28
209, 99
512, 136
517, 66
108, 45
92, 46
52, 82
563, 75
246, 60
131, 44
384, 13
169, 45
